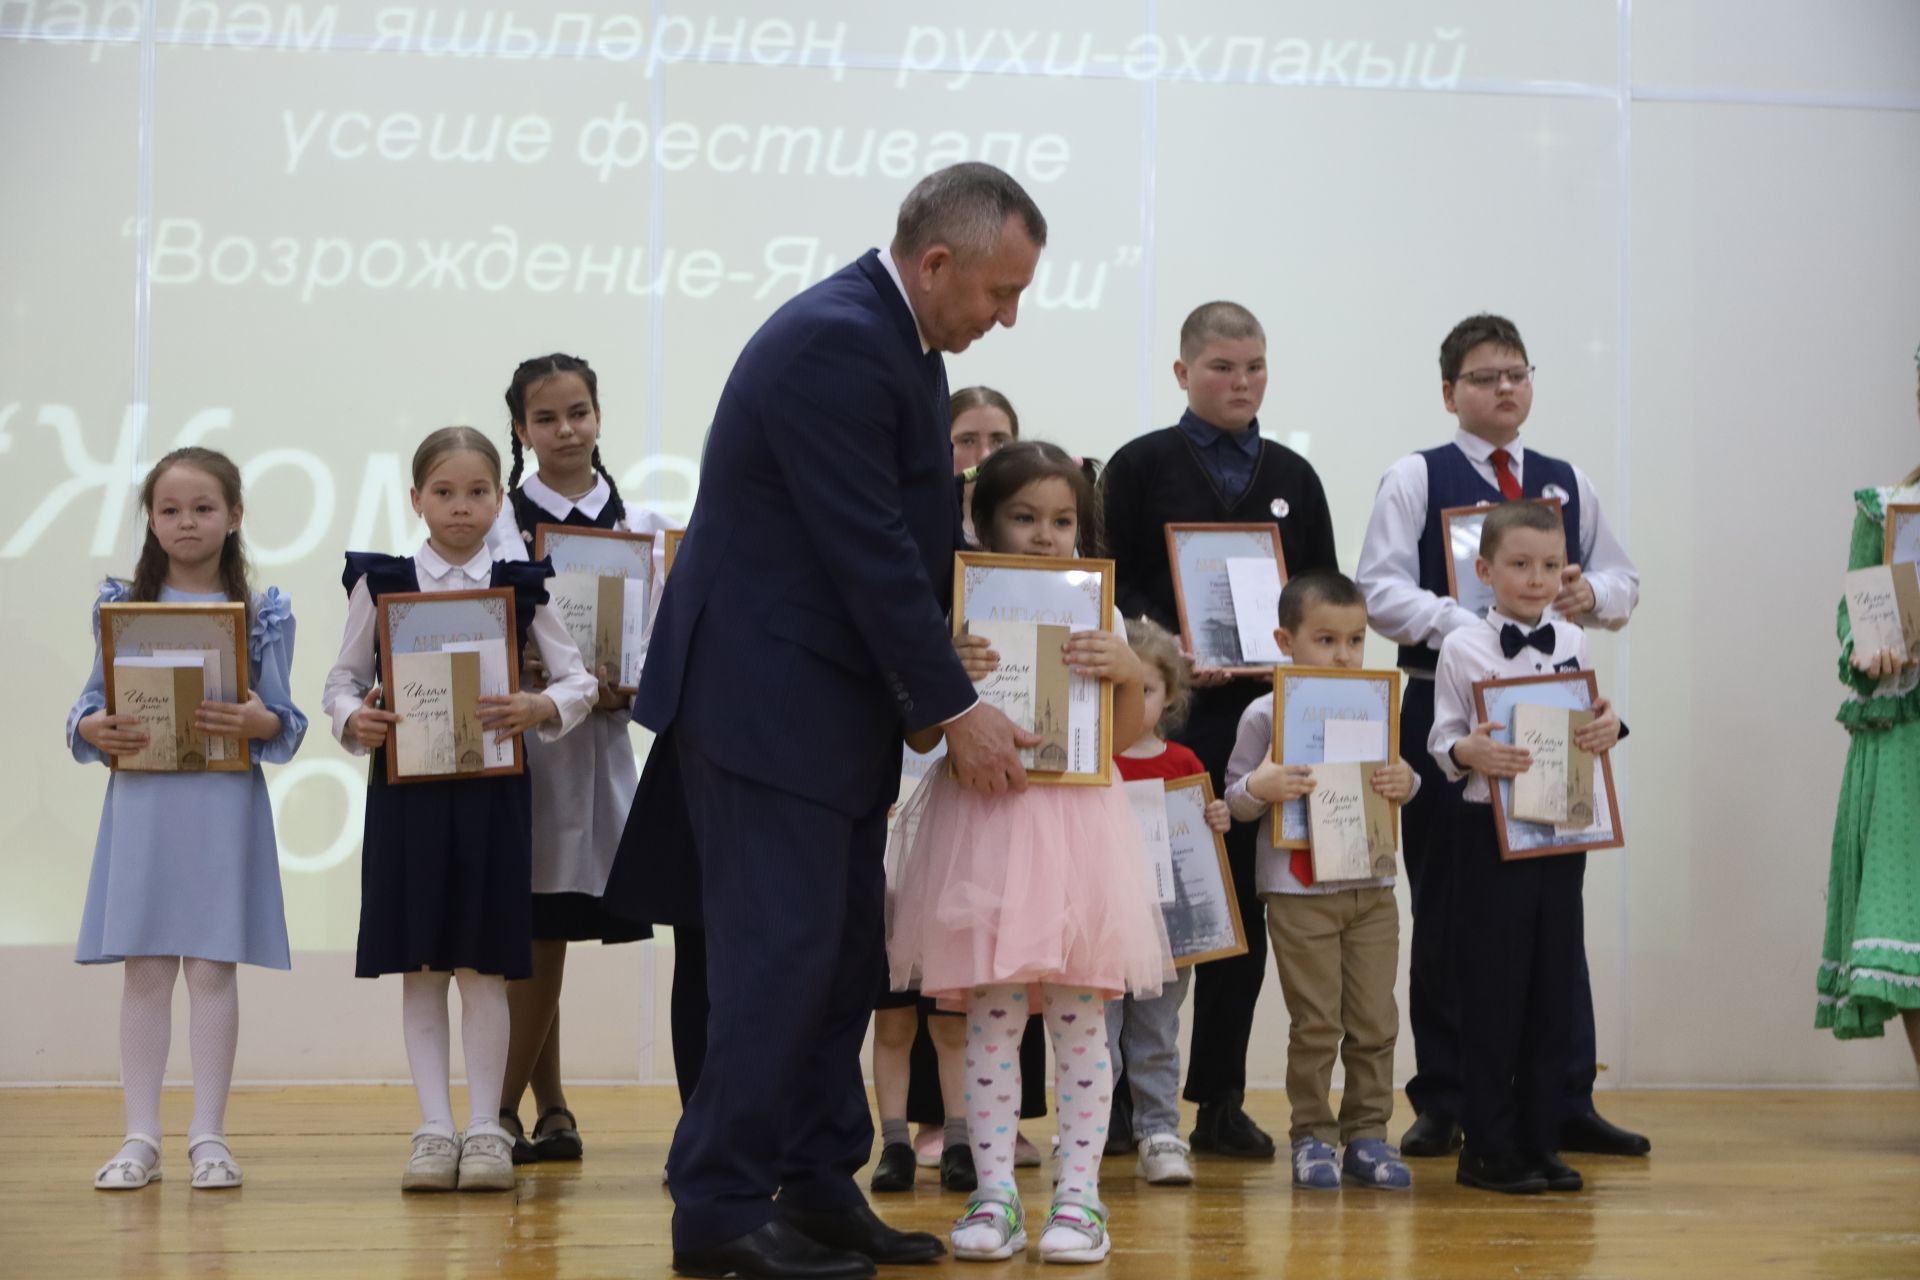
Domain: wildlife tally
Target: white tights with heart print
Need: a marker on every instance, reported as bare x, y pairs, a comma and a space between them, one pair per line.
1083, 1082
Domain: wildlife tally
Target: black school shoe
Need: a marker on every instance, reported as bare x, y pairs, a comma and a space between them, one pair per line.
1560, 1175
523, 1152
1223, 1128
1431, 1135
1511, 1175
895, 1169
556, 1136
1593, 1134
957, 1172
1120, 1125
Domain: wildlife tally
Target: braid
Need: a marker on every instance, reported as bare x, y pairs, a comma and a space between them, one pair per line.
619, 507
519, 462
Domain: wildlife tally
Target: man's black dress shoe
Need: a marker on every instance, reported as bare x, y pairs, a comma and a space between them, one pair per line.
1560, 1175
1509, 1174
859, 1230
1431, 1135
774, 1251
894, 1170
1593, 1134
1223, 1128
957, 1172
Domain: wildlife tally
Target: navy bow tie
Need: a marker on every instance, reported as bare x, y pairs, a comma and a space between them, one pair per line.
1513, 639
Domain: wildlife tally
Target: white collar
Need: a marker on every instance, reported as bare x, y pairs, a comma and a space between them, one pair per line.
1497, 619
557, 505
893, 274
479, 569
1479, 450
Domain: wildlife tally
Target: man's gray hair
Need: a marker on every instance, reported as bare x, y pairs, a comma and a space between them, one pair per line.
964, 206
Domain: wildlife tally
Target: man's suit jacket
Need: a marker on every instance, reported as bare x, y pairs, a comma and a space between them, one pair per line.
805, 628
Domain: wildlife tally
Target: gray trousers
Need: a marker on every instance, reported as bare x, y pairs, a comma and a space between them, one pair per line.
1144, 1037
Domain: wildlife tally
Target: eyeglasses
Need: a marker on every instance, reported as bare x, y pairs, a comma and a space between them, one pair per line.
1488, 379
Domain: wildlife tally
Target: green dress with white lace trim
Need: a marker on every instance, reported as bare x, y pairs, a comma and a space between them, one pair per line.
1870, 961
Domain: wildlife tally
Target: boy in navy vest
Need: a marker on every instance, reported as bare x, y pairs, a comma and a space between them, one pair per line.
1213, 467
1487, 383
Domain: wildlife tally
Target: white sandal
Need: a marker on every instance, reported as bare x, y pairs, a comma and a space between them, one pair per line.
129, 1175
991, 1230
215, 1173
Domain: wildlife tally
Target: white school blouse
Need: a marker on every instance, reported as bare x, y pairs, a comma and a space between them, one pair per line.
573, 691
1403, 611
1473, 653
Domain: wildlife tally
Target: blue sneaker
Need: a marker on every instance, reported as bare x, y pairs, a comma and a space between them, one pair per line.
1313, 1166
1370, 1162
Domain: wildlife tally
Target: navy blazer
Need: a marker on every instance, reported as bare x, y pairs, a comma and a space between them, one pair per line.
806, 628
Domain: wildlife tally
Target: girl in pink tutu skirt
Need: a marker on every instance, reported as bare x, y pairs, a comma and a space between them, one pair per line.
1004, 902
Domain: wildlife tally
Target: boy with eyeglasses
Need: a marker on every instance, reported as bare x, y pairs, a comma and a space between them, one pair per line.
1486, 382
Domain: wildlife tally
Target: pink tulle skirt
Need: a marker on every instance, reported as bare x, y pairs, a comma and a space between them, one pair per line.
1051, 886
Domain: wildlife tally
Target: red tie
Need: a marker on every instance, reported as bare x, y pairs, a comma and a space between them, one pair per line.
1503, 472
1301, 865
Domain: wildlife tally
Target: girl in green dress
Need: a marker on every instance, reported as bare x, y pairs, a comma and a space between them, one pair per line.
1870, 962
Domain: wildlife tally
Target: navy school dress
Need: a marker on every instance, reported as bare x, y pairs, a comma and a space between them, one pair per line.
446, 868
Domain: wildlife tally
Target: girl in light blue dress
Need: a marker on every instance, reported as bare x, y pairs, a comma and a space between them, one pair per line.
185, 870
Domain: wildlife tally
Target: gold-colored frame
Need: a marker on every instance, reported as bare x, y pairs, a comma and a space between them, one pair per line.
1232, 899
674, 538
963, 560
1285, 672
383, 608
1173, 528
120, 619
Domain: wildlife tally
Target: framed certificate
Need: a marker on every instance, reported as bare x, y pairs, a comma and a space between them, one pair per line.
601, 589
1903, 533
1027, 606
160, 662
440, 652
1203, 920
1227, 594
673, 537
1460, 527
1523, 699
1331, 715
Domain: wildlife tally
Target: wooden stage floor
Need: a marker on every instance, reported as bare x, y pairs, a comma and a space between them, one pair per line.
1770, 1184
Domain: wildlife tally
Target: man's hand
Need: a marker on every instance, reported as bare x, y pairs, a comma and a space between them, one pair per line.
985, 749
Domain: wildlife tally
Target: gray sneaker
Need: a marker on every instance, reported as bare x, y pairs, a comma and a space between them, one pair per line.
434, 1164
486, 1162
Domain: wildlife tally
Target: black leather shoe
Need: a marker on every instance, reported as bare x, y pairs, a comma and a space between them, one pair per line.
1560, 1175
523, 1152
1223, 1128
1431, 1135
1509, 1174
859, 1230
895, 1169
775, 1251
1120, 1121
1593, 1134
956, 1169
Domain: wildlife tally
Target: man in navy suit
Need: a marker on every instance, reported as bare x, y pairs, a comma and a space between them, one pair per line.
804, 633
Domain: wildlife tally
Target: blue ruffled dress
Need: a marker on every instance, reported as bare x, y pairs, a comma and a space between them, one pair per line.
186, 864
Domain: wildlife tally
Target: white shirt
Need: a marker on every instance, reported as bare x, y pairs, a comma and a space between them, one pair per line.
1273, 868
354, 672
1473, 653
1389, 574
893, 274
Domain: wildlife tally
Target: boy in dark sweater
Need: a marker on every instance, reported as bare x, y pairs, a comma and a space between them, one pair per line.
1213, 467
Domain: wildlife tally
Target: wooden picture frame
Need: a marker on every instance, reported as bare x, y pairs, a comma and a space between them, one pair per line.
1304, 699
1209, 627
1460, 535
673, 539
1203, 921
1576, 690
1076, 594
602, 553
413, 622
1903, 533
215, 632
